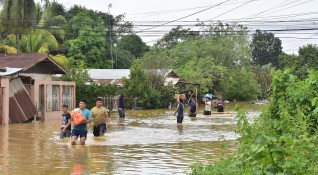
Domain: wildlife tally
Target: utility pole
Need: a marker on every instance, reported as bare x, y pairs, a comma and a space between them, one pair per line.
110, 35
115, 45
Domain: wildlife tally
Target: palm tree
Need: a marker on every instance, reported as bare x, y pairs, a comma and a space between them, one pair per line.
53, 19
40, 41
18, 16
54, 25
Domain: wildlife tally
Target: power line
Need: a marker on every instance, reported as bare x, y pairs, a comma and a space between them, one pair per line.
230, 10
178, 10
186, 16
292, 6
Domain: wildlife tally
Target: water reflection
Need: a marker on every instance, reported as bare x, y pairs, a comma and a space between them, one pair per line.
80, 161
147, 142
180, 128
120, 123
4, 137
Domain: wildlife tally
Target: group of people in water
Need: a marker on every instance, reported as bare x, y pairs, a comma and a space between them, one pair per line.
193, 106
100, 117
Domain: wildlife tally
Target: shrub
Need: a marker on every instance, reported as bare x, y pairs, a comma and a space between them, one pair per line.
282, 140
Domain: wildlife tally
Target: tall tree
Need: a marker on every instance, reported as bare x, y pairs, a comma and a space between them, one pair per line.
301, 63
90, 44
265, 48
18, 16
213, 58
175, 36
133, 44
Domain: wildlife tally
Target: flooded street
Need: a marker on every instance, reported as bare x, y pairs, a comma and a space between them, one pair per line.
145, 142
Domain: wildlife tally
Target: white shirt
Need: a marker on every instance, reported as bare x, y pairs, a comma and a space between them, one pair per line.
208, 106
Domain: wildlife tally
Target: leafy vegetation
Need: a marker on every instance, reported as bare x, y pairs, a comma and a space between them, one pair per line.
283, 139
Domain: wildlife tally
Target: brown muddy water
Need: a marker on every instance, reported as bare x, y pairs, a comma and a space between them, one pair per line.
145, 142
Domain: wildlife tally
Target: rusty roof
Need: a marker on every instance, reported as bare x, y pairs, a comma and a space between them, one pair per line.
31, 63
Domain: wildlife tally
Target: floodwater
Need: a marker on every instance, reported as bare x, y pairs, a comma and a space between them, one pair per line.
145, 142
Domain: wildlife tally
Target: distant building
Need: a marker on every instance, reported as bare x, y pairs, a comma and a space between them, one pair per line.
28, 90
114, 76
108, 76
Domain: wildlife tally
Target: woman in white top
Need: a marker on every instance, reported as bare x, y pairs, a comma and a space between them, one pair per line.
208, 104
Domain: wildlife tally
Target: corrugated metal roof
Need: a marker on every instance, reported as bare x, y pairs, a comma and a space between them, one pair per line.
10, 71
115, 74
168, 80
21, 107
108, 74
30, 61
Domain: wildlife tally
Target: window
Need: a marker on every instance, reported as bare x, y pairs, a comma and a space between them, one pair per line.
67, 96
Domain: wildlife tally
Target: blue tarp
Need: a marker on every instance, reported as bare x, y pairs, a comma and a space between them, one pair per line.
208, 96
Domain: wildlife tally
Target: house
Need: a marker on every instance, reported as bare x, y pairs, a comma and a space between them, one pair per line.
28, 90
114, 76
108, 76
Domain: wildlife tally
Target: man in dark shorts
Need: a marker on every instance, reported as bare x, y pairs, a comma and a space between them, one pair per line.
66, 123
193, 108
80, 130
100, 116
179, 110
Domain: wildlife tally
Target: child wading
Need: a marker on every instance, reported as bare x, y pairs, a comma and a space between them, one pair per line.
66, 123
179, 110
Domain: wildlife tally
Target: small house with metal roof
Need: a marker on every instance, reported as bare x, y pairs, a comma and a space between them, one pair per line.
27, 88
115, 76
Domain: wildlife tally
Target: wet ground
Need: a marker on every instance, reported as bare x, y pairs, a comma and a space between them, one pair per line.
145, 142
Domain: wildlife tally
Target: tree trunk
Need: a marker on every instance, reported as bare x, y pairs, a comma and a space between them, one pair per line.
17, 35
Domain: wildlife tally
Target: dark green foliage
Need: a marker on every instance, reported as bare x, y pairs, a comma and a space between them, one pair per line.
91, 92
174, 37
307, 58
240, 85
139, 86
133, 44
283, 139
89, 45
215, 60
167, 95
265, 48
123, 59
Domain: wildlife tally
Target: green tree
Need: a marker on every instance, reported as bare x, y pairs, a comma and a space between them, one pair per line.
18, 16
139, 86
133, 44
123, 59
90, 45
207, 59
309, 55
264, 78
76, 71
156, 64
240, 85
40, 41
265, 48
175, 36
299, 64
54, 21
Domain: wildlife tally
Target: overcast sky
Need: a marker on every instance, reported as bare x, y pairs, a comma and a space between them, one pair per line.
295, 14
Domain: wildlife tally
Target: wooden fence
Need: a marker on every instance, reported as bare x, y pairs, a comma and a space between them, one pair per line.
111, 103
